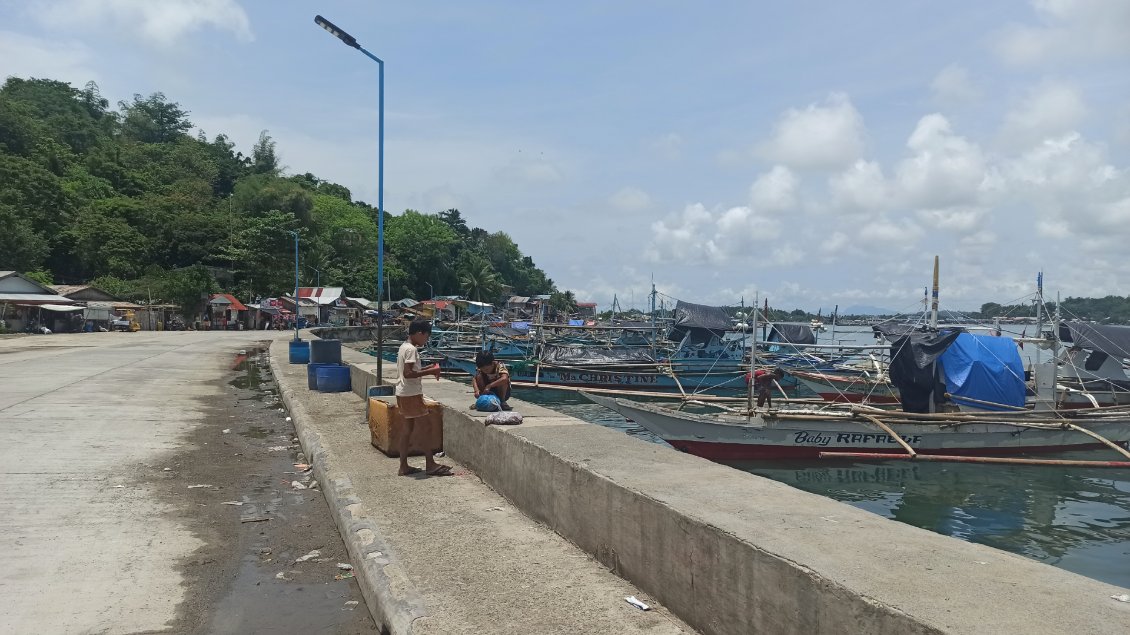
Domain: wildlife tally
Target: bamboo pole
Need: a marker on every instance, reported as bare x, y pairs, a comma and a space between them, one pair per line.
987, 403
894, 435
972, 459
1105, 441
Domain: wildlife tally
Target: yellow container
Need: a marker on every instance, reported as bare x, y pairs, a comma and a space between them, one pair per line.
386, 425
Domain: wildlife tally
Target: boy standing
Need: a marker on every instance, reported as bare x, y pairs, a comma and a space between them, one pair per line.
410, 396
492, 378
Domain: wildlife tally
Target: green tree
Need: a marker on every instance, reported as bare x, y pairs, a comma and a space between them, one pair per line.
563, 301
479, 282
264, 158
423, 245
154, 119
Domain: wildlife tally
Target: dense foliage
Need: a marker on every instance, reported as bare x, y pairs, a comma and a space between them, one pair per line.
129, 199
1112, 309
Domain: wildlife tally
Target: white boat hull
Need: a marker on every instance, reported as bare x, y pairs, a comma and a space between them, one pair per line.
734, 438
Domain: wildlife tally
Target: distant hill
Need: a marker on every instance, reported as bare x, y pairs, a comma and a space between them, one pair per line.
865, 309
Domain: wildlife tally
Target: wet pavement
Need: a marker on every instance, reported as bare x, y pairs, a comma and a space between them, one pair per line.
273, 561
148, 489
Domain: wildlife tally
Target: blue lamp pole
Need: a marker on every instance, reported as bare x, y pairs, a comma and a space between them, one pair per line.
296, 314
350, 41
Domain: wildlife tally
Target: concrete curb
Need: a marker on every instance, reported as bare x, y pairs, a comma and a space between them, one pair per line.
392, 599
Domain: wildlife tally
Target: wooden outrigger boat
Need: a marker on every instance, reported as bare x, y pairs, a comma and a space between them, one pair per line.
964, 397
825, 433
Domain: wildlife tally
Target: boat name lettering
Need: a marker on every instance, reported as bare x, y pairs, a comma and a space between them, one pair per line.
621, 379
823, 438
812, 438
872, 437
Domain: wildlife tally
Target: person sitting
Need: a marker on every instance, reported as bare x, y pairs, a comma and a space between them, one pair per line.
492, 379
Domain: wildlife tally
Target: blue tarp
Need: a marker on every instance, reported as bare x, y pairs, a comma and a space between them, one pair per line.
576, 322
986, 368
520, 326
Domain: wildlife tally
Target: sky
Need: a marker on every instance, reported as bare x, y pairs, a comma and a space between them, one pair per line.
815, 152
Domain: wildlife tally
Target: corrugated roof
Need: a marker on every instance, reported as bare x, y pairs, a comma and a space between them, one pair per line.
321, 295
518, 299
35, 298
67, 289
235, 303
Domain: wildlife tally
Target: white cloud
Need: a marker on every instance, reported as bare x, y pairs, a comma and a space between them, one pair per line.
1071, 29
700, 236
945, 170
822, 136
890, 233
630, 199
669, 146
952, 86
26, 56
1049, 109
786, 255
158, 21
861, 187
958, 219
775, 191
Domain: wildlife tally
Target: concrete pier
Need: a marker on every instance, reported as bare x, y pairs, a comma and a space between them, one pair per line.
730, 552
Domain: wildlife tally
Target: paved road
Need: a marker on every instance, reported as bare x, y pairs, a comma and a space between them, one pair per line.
91, 539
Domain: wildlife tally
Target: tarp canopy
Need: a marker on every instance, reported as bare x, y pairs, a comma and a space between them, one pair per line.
792, 334
697, 316
570, 355
893, 330
912, 368
506, 331
1112, 340
985, 368
55, 307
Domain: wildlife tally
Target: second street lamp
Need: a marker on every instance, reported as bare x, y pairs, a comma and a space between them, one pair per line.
351, 42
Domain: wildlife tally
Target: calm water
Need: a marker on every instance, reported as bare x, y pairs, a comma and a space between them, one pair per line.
1074, 518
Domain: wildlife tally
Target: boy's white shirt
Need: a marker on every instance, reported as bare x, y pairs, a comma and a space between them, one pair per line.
408, 357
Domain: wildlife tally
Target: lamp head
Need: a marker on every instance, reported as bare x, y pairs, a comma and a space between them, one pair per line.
336, 32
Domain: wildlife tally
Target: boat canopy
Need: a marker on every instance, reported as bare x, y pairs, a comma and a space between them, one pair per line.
1112, 340
984, 368
570, 355
912, 369
698, 316
792, 334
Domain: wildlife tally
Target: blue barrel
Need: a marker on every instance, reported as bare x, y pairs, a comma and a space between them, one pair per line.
325, 351
299, 352
333, 379
312, 374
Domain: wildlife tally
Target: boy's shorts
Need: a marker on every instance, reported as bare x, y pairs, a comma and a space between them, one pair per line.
412, 406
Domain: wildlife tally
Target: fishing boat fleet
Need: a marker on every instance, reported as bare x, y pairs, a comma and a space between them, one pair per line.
921, 392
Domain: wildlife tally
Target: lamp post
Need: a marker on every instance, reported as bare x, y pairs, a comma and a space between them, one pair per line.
351, 42
296, 313
431, 291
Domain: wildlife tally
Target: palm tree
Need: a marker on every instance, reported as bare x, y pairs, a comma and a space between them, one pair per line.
563, 301
480, 281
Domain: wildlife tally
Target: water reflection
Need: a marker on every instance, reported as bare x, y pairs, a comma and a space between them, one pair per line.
1074, 518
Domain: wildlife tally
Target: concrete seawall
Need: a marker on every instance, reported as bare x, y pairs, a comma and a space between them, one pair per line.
730, 552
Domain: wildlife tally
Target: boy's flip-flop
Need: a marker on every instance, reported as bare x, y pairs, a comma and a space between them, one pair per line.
442, 470
411, 471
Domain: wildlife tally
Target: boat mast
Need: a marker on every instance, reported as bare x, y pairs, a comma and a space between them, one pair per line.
1039, 309
752, 359
934, 298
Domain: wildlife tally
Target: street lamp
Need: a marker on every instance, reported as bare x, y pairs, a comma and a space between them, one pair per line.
296, 313
431, 291
351, 42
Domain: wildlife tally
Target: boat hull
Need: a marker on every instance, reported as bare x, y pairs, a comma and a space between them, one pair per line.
645, 378
767, 438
